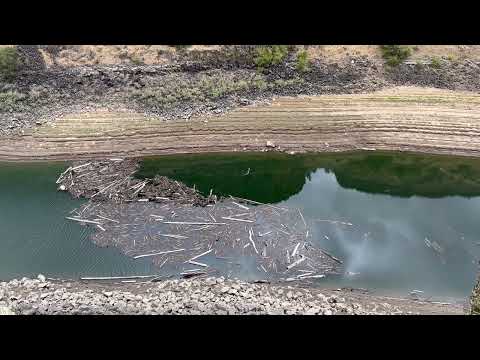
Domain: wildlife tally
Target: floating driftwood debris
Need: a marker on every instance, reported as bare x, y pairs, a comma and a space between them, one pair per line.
190, 237
114, 180
176, 226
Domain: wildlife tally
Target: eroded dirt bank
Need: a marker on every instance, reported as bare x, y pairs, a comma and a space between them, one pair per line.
402, 119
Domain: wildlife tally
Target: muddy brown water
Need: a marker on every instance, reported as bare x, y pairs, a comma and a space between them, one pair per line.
399, 222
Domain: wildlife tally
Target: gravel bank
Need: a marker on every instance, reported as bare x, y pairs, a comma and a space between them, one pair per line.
193, 296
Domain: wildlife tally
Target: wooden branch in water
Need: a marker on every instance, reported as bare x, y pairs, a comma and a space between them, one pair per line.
240, 205
140, 188
174, 236
295, 250
250, 236
302, 217
200, 255
116, 182
331, 256
103, 217
118, 277
159, 253
192, 274
299, 261
79, 166
192, 223
265, 234
258, 203
242, 220
60, 178
197, 263
84, 221
163, 263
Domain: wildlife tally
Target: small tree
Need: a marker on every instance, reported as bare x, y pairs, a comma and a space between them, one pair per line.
395, 54
270, 55
8, 62
303, 61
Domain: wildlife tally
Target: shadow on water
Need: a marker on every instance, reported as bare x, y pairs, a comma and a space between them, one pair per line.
274, 177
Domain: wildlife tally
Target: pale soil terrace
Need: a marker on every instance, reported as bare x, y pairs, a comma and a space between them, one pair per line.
399, 119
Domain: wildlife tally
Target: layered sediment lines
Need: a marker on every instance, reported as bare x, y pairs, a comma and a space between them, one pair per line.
400, 119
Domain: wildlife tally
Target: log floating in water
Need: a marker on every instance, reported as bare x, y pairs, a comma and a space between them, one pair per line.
174, 236
299, 261
295, 250
103, 217
258, 203
159, 253
250, 234
192, 274
302, 217
240, 205
192, 223
242, 220
331, 256
197, 263
118, 277
60, 178
200, 255
84, 220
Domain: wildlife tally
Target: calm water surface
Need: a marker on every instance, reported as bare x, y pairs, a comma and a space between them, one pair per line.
414, 217
36, 238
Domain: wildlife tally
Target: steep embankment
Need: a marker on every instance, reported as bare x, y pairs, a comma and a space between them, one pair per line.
404, 119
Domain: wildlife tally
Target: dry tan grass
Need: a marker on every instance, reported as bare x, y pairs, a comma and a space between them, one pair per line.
339, 53
119, 54
162, 54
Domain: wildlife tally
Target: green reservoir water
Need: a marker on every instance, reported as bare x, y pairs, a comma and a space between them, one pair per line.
414, 217
36, 238
394, 201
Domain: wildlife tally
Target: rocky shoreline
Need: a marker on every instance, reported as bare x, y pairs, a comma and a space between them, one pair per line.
195, 297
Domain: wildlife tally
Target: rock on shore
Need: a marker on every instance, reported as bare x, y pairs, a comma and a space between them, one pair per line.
193, 296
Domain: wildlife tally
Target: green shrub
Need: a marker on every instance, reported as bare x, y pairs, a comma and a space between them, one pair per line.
395, 54
174, 90
10, 100
419, 64
136, 60
435, 62
181, 48
270, 55
8, 62
303, 62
